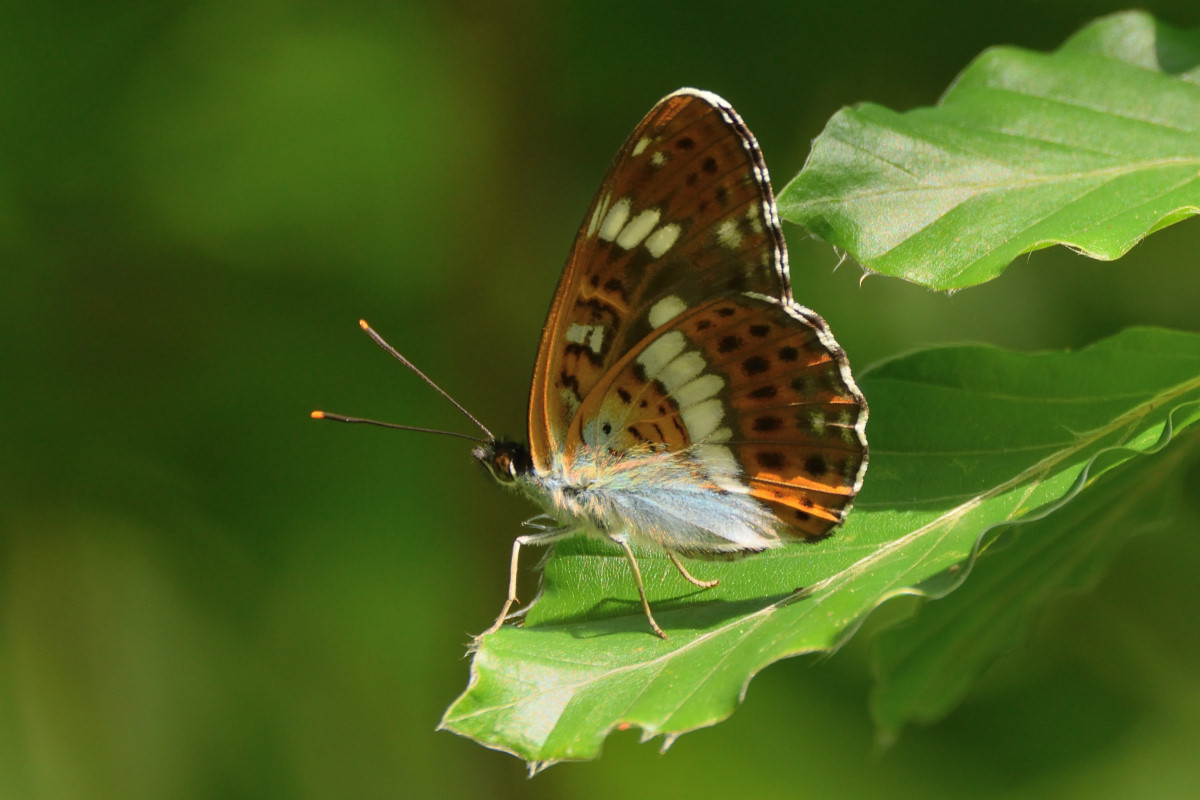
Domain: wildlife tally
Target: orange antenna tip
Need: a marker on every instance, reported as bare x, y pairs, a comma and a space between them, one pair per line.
317, 415
362, 323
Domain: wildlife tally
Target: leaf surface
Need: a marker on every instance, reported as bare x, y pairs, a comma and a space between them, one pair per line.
964, 439
1093, 146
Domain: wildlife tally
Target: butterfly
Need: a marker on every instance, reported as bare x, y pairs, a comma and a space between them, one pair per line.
682, 400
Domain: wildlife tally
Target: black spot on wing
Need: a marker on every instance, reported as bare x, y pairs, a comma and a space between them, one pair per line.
755, 365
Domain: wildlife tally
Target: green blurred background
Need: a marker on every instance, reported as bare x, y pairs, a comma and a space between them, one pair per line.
204, 594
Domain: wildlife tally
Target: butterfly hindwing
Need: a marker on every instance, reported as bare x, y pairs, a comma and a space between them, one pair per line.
755, 392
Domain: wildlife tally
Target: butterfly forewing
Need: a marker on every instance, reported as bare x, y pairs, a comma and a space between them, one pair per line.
684, 214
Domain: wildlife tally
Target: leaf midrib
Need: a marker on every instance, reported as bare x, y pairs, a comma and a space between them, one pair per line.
982, 187
1086, 439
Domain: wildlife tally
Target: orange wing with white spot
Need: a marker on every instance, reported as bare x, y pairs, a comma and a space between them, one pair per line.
748, 381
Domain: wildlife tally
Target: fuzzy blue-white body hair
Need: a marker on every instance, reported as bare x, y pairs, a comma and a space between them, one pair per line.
680, 502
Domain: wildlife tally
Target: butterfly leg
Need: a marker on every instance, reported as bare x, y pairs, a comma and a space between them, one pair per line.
542, 537
690, 578
542, 522
637, 578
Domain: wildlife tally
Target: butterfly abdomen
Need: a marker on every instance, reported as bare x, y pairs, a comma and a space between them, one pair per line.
671, 501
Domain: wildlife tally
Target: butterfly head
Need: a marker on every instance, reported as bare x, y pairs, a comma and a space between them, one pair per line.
506, 460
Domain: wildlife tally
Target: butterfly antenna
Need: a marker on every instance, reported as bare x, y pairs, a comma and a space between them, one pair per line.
379, 340
343, 418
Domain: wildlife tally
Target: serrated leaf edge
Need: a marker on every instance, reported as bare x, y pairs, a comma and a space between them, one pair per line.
827, 586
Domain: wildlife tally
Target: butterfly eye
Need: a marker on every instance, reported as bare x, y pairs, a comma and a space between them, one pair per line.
505, 460
503, 468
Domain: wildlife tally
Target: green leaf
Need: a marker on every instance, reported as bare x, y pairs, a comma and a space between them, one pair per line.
1093, 146
927, 665
964, 439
